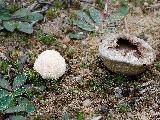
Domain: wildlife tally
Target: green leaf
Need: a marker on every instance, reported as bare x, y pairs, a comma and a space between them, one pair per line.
19, 81
3, 93
29, 107
2, 4
10, 26
118, 15
4, 84
83, 25
5, 15
84, 17
34, 16
5, 102
23, 12
19, 91
15, 109
96, 16
1, 27
18, 117
65, 116
110, 29
80, 116
25, 27
123, 11
76, 35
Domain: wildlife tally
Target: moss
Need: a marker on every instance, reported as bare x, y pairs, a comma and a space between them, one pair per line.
52, 13
100, 4
13, 7
48, 39
4, 66
158, 66
71, 51
123, 107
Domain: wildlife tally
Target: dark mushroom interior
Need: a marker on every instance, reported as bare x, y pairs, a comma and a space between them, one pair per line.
127, 45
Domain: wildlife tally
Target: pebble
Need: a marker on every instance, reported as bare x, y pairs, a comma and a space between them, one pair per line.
64, 46
87, 103
97, 118
3, 56
152, 113
148, 83
143, 116
130, 115
118, 92
77, 78
84, 43
105, 109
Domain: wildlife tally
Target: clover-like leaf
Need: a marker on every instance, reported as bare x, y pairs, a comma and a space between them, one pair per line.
9, 25
5, 102
118, 15
34, 16
18, 117
19, 91
83, 25
15, 109
24, 102
123, 11
21, 13
19, 80
25, 27
2, 2
76, 35
4, 14
95, 15
4, 84
4, 93
84, 17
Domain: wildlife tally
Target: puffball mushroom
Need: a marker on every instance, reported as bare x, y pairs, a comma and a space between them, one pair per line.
50, 64
126, 54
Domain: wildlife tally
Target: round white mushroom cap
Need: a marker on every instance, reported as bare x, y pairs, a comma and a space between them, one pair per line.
50, 64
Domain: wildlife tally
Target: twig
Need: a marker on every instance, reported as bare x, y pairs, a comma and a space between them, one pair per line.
40, 3
106, 7
126, 25
32, 7
44, 2
156, 6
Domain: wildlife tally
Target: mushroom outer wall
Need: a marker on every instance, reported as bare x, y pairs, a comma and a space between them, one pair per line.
126, 61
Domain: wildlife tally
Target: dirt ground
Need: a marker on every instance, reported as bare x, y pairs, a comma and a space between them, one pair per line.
88, 87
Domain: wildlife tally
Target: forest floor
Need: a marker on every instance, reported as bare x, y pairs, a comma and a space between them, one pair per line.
87, 87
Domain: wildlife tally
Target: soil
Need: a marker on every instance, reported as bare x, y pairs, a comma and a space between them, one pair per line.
88, 79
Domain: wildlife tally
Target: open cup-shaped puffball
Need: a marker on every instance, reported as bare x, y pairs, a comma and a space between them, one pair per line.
50, 64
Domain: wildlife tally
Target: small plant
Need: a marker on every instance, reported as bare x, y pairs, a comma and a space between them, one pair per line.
13, 98
100, 3
71, 51
158, 66
48, 39
20, 20
143, 3
52, 13
80, 116
123, 107
91, 21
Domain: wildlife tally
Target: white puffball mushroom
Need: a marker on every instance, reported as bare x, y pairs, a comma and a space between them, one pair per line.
50, 64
